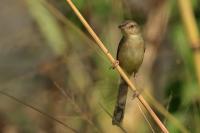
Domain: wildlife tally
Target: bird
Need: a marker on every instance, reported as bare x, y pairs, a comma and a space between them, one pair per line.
130, 54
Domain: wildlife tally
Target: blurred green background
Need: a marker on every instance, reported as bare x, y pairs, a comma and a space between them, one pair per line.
49, 61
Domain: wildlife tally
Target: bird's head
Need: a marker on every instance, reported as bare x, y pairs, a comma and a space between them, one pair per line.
129, 28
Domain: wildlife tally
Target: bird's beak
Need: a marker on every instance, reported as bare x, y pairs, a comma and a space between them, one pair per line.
121, 26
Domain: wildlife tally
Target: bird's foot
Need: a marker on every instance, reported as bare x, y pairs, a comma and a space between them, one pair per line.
115, 64
135, 94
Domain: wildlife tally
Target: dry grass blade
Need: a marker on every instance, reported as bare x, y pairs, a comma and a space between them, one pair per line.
39, 111
119, 69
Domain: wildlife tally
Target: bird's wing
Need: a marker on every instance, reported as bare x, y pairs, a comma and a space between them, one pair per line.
119, 46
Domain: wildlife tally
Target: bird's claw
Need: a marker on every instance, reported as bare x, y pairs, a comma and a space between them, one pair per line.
135, 94
115, 64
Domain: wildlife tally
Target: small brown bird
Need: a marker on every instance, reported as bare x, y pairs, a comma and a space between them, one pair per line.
130, 55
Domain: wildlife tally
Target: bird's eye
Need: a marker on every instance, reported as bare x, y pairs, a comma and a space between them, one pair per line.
131, 26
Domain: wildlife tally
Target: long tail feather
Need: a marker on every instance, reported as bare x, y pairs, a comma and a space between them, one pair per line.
120, 104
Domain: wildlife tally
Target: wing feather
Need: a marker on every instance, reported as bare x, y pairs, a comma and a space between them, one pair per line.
119, 46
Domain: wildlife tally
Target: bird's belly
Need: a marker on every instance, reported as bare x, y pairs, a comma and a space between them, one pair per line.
131, 58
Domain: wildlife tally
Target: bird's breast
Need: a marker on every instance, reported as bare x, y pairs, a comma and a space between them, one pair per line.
131, 54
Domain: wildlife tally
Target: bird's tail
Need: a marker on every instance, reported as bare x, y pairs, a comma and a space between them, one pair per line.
120, 104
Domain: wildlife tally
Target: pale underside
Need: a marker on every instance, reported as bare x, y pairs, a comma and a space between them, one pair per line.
131, 53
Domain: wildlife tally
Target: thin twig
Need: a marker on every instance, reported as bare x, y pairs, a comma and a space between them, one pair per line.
38, 110
119, 69
168, 106
145, 117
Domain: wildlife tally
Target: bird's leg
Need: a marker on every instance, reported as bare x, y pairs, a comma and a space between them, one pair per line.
135, 75
115, 64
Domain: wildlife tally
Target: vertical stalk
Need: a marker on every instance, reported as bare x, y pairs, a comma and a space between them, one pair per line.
190, 24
